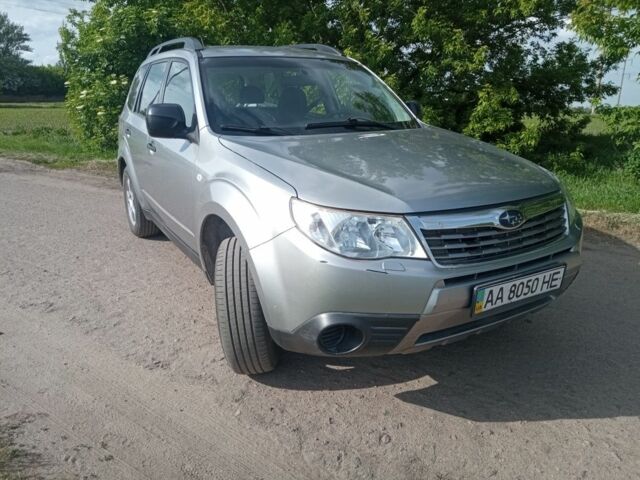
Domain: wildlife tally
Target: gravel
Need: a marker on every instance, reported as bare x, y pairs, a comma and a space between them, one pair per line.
110, 367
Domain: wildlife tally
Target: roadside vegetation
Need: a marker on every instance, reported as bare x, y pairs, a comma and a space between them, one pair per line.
40, 133
18, 77
497, 72
601, 167
598, 178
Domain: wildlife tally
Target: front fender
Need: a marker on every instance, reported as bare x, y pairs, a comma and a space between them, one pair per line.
252, 221
255, 222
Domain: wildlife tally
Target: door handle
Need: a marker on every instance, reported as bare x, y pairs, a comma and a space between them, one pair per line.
127, 132
152, 147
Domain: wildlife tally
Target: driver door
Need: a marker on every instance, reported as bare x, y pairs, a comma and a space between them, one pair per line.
172, 162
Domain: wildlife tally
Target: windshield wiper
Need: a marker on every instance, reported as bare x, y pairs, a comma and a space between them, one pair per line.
262, 130
351, 123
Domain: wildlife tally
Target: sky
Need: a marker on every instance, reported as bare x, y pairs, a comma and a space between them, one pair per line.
42, 18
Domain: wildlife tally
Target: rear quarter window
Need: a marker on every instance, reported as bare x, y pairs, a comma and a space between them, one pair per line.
135, 88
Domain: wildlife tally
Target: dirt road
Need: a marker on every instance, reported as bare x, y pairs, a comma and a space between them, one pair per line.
110, 367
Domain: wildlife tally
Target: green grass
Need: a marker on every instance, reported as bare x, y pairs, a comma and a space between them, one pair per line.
596, 126
17, 117
613, 191
41, 134
597, 179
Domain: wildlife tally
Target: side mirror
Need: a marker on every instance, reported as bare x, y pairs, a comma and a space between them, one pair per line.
166, 120
414, 107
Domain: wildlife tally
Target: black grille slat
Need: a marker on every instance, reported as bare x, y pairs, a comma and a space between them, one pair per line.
478, 232
477, 244
559, 223
515, 240
524, 244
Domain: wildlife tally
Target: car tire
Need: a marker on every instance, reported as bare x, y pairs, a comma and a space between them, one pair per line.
246, 341
138, 223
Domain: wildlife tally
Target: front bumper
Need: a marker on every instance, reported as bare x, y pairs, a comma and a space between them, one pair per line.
398, 305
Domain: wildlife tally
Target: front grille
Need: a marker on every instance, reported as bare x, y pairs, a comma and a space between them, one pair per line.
466, 245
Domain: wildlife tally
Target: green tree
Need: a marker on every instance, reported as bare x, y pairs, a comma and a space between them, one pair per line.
483, 67
13, 39
13, 42
613, 26
17, 76
102, 49
486, 68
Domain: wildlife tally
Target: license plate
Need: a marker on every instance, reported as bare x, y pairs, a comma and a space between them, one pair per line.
500, 294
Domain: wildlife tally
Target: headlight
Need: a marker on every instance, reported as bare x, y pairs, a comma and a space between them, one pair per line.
356, 234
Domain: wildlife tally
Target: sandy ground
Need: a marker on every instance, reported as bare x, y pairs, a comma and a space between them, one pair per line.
110, 367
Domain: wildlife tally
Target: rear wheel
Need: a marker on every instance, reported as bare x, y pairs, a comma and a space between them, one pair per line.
138, 223
244, 334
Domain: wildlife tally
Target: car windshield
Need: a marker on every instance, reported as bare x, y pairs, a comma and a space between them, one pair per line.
297, 96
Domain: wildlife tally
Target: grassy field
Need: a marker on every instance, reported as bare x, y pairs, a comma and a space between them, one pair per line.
612, 191
597, 181
40, 133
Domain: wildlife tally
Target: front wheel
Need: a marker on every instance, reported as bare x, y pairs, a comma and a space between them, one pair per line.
245, 337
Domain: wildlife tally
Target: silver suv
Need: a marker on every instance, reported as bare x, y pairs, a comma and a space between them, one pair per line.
330, 220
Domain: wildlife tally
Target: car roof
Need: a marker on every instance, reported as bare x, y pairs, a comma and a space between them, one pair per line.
189, 47
259, 51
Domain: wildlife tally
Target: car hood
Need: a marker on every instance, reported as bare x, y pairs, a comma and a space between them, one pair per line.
396, 171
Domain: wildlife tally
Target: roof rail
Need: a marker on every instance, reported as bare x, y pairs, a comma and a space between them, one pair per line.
318, 47
189, 43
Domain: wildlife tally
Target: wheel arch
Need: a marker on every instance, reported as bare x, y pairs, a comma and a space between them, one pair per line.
219, 222
122, 164
213, 231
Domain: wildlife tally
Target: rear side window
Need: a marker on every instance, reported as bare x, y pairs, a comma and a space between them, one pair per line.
180, 91
135, 87
152, 86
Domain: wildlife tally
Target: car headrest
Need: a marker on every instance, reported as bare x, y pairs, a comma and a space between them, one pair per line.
251, 94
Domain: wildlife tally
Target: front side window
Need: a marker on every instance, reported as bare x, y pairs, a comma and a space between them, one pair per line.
179, 90
285, 95
152, 86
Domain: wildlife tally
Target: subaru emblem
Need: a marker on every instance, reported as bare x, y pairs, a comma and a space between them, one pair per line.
511, 219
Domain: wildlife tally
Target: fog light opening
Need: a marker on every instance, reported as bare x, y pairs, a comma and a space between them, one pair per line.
340, 339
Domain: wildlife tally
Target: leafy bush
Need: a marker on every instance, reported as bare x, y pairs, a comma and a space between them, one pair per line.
624, 125
483, 69
102, 50
20, 79
632, 166
43, 80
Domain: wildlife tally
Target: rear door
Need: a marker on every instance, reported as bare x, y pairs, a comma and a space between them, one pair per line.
171, 176
138, 137
129, 116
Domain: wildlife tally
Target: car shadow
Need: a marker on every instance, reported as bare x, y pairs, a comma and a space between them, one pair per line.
578, 358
